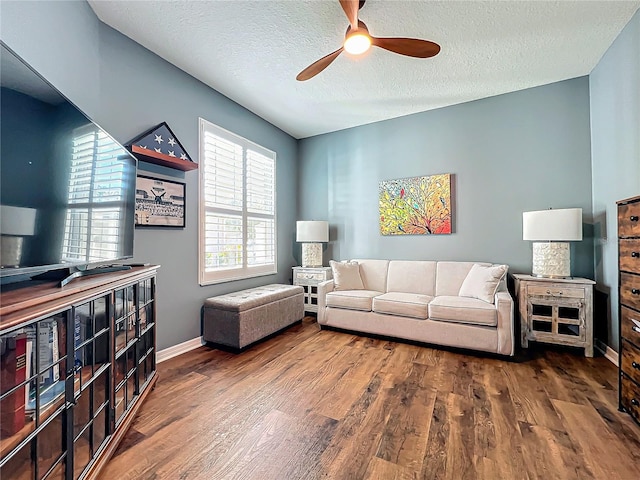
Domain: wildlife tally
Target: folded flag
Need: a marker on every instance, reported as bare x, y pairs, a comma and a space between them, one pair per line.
159, 143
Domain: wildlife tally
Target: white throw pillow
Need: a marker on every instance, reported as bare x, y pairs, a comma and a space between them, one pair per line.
346, 276
482, 282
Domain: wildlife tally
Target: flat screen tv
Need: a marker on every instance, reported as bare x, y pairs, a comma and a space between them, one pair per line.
67, 193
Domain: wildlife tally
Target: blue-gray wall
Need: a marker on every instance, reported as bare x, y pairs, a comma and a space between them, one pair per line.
126, 89
527, 150
615, 145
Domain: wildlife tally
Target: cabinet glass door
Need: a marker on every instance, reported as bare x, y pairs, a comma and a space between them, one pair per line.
126, 322
91, 345
33, 411
550, 318
146, 343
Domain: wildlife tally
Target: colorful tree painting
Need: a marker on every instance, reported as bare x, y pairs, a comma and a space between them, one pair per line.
416, 206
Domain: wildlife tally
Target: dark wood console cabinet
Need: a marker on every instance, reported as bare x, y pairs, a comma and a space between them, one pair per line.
76, 363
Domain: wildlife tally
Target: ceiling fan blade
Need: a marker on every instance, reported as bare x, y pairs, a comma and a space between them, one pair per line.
318, 66
411, 47
351, 8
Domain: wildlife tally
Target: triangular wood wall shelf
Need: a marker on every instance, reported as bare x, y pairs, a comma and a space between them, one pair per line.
160, 146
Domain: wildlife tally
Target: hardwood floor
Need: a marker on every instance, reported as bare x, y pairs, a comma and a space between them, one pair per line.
312, 404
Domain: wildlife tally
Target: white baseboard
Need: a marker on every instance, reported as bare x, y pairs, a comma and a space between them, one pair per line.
609, 353
175, 350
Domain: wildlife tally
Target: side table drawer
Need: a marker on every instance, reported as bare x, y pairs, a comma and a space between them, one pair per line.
309, 278
631, 360
630, 324
555, 291
630, 397
629, 220
630, 290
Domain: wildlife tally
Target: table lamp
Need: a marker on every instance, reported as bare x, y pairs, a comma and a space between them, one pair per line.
550, 231
16, 223
312, 234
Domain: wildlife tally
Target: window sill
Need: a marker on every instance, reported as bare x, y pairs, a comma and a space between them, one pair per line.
241, 276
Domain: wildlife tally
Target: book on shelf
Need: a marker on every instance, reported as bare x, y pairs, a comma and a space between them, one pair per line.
62, 344
79, 335
13, 363
48, 394
48, 352
28, 369
48, 382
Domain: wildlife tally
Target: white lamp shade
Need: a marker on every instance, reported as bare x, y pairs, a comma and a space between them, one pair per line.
561, 225
312, 231
19, 221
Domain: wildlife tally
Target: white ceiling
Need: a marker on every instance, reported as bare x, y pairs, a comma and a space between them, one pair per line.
251, 51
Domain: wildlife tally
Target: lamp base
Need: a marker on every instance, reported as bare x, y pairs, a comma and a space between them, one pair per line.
311, 254
551, 260
11, 251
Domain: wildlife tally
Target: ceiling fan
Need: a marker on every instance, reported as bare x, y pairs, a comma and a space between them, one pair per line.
357, 40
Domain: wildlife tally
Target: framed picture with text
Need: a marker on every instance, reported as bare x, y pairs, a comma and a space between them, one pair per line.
159, 202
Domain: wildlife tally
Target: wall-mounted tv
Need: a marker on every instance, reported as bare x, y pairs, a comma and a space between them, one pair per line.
67, 193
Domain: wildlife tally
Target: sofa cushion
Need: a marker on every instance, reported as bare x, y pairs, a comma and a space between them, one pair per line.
482, 282
412, 277
404, 304
352, 299
450, 275
374, 274
463, 310
346, 275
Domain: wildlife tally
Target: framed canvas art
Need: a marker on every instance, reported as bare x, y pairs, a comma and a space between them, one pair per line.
159, 203
416, 205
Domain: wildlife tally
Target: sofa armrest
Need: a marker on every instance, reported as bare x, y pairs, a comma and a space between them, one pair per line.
323, 289
506, 341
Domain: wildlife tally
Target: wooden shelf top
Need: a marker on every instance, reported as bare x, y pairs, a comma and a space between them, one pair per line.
28, 300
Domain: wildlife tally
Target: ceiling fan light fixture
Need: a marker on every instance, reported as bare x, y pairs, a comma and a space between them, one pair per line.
357, 43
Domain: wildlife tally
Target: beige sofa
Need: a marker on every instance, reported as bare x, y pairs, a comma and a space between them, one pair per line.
419, 301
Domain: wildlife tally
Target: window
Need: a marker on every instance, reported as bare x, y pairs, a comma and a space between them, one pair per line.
94, 218
237, 207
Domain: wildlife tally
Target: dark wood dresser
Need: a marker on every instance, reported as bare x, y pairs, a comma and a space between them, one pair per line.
629, 304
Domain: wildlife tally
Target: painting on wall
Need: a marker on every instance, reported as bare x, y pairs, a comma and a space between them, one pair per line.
159, 203
416, 206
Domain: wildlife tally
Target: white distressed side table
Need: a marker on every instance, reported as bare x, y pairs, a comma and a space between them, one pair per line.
309, 278
554, 310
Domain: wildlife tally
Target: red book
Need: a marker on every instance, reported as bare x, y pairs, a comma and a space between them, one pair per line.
13, 369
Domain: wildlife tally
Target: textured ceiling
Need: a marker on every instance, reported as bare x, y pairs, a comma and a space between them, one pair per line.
251, 51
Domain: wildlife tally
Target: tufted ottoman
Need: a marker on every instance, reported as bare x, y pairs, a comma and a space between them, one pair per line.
241, 318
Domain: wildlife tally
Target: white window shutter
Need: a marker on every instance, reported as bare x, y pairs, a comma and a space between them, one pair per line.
94, 197
237, 205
